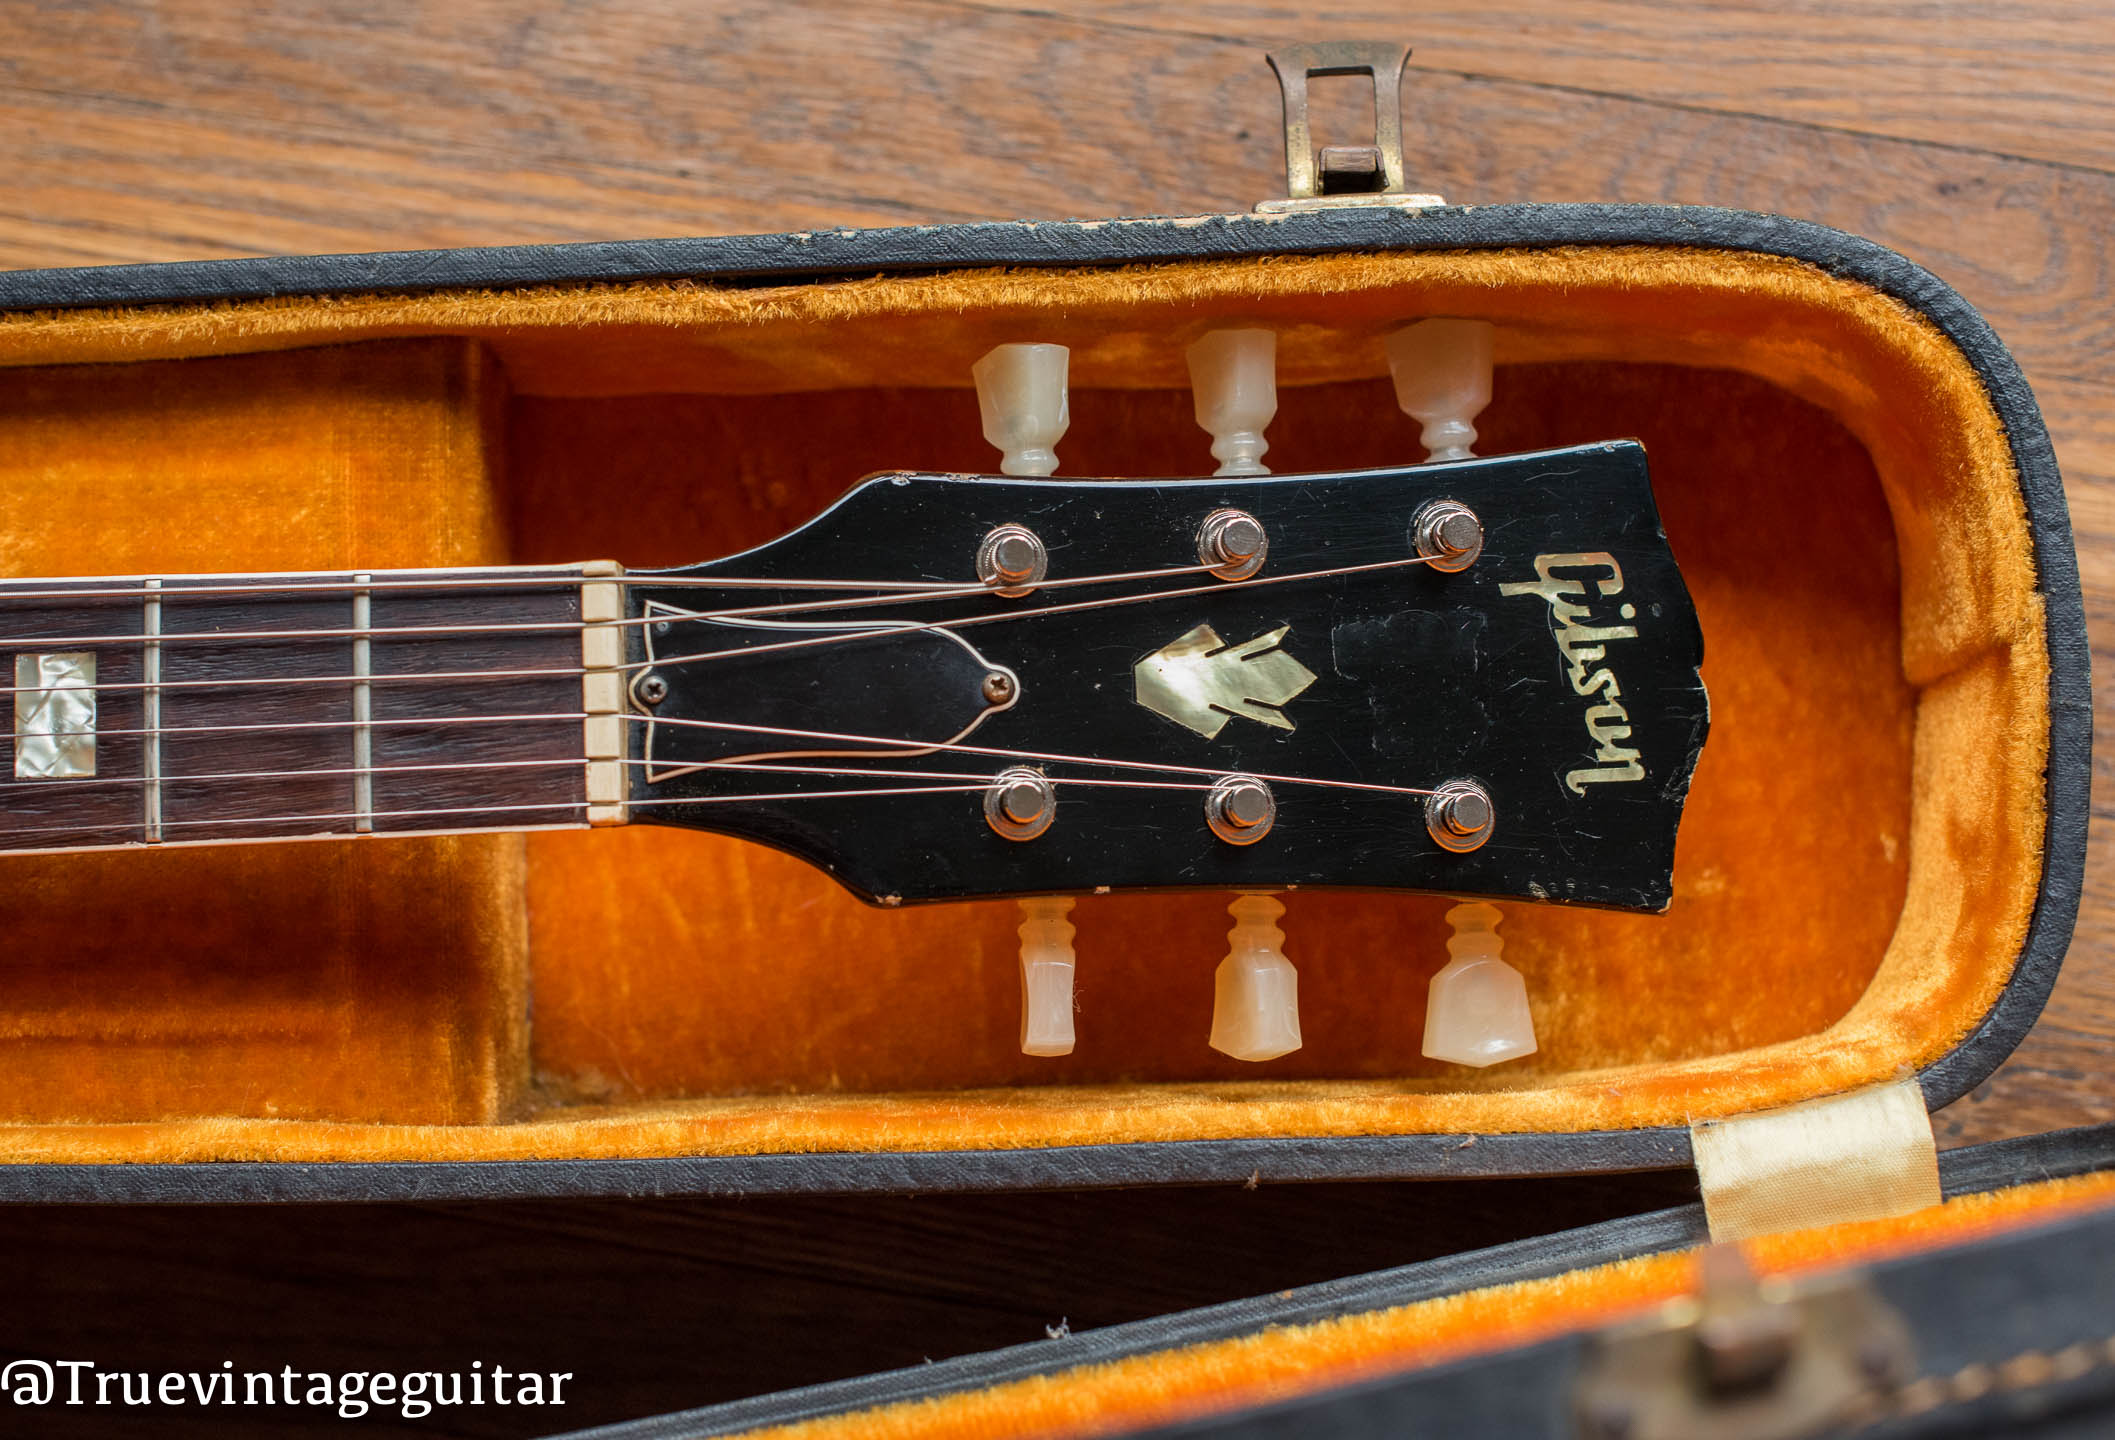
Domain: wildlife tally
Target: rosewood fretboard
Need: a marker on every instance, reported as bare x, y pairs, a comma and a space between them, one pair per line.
207, 709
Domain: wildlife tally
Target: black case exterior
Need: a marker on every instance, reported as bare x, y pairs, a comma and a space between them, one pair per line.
2040, 1290
817, 257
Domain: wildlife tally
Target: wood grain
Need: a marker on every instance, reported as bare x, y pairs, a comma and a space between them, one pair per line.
2024, 80
1979, 140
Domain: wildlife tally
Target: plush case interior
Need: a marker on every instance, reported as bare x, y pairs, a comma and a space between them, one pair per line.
1856, 868
1277, 1363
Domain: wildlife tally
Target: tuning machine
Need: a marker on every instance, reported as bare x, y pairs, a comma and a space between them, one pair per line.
1047, 963
1442, 372
1255, 991
1234, 382
1476, 1010
1255, 1002
1023, 396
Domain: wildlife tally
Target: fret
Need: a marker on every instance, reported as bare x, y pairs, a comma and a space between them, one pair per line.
363, 708
151, 713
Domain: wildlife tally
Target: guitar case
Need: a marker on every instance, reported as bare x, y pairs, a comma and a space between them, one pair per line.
1876, 878
1988, 1315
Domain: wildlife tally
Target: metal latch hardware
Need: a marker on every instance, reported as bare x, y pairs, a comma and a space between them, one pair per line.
1745, 1359
1344, 176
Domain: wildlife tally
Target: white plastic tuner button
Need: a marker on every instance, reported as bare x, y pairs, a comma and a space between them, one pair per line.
1022, 394
1234, 380
1476, 1012
1046, 975
1442, 372
1256, 992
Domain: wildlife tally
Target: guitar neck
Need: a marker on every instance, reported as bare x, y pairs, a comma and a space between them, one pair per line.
944, 686
206, 709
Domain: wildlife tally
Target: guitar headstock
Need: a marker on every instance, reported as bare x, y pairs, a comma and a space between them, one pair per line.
1478, 678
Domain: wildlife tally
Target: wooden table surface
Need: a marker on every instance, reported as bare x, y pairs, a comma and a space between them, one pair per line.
1978, 139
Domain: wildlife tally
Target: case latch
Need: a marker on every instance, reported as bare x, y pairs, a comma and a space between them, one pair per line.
1344, 176
1747, 1359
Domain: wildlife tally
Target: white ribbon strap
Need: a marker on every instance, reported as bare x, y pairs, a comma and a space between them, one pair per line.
1863, 1156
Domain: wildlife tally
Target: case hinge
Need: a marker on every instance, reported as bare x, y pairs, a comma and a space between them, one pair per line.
1344, 176
1746, 1359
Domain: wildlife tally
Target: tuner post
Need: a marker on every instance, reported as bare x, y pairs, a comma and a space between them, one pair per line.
1447, 534
1233, 543
1459, 816
1240, 809
1020, 803
1012, 560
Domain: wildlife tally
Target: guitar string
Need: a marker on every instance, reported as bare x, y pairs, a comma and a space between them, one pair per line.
979, 787
572, 580
543, 806
974, 785
723, 766
808, 642
556, 717
783, 732
977, 783
1052, 757
935, 591
576, 716
668, 661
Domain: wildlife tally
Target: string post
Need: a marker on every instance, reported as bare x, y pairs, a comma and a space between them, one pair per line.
1020, 803
1233, 543
1012, 560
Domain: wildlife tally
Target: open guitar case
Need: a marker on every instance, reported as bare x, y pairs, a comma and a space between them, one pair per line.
1876, 881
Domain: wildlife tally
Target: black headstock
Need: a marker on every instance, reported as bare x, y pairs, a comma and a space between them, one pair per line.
1558, 671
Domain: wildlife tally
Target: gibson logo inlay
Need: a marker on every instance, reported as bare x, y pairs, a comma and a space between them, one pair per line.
1583, 647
